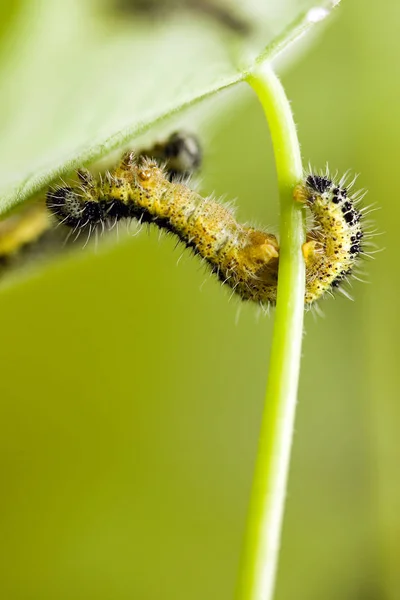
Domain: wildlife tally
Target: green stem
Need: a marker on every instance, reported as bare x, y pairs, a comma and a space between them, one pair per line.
261, 547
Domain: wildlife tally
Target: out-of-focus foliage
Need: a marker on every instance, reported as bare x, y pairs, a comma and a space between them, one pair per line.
84, 77
130, 400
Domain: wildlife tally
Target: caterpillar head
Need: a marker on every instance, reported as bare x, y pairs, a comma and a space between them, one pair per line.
65, 203
69, 206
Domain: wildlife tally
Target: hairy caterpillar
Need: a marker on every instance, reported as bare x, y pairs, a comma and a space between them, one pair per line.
31, 232
244, 258
335, 241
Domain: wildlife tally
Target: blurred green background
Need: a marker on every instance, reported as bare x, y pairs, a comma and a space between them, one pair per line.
131, 400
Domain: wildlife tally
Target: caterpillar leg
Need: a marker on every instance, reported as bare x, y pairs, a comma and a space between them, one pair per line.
311, 251
299, 194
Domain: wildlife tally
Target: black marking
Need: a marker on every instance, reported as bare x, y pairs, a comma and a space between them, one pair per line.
93, 213
116, 209
349, 217
340, 278
319, 183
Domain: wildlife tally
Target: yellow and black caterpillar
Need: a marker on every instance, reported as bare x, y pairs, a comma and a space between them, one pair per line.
244, 258
155, 191
31, 233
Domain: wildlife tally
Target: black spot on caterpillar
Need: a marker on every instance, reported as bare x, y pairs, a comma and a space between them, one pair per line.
244, 258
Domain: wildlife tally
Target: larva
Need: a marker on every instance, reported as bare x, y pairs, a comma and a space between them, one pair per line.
180, 154
31, 233
244, 258
241, 256
335, 241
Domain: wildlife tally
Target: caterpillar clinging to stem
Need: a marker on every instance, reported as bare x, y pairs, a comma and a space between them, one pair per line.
153, 188
244, 258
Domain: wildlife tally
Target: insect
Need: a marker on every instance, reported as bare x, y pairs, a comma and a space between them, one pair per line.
31, 233
152, 187
244, 258
336, 240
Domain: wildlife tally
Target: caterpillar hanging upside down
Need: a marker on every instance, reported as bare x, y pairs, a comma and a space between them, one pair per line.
30, 234
244, 258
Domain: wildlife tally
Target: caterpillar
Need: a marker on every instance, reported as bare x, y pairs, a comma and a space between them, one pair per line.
335, 241
31, 232
244, 258
152, 188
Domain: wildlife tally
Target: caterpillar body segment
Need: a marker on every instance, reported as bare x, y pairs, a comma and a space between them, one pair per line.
23, 228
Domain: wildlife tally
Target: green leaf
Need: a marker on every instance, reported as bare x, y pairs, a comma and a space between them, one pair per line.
80, 79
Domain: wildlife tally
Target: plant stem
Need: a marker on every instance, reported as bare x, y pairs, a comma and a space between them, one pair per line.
262, 540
